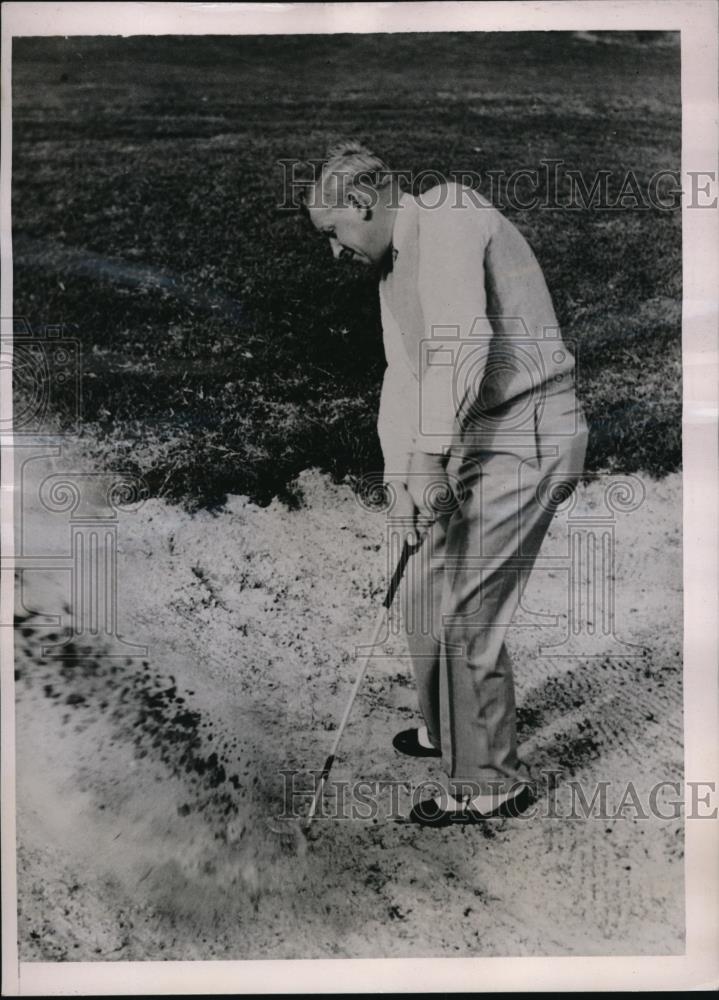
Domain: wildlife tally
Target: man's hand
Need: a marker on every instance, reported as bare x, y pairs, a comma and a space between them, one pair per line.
429, 488
402, 510
427, 493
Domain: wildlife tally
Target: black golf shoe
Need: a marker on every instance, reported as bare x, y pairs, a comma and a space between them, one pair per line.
430, 813
407, 742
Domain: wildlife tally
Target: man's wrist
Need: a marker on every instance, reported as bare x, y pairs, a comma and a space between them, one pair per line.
434, 458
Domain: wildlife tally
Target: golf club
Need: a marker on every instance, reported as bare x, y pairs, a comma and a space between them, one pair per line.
408, 549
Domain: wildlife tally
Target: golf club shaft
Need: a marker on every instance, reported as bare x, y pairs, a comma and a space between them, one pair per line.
407, 551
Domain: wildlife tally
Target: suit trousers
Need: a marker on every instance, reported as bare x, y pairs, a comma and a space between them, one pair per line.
466, 581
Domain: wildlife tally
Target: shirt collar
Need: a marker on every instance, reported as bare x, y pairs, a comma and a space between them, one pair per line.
399, 231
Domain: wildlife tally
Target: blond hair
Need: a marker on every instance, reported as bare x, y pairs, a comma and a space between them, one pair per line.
356, 162
349, 166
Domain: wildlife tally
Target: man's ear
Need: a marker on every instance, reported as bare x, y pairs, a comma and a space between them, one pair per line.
361, 202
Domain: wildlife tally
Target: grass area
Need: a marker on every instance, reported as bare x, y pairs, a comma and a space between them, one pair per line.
164, 152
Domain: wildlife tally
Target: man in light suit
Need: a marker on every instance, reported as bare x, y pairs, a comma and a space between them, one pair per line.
482, 438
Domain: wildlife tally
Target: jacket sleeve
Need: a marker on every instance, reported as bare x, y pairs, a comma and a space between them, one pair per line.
397, 419
453, 238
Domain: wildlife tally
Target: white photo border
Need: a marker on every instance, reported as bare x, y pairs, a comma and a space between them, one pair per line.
699, 967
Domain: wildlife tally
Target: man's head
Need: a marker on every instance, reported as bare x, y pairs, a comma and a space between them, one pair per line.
353, 203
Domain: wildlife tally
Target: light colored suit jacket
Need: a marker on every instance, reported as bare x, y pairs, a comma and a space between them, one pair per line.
469, 329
